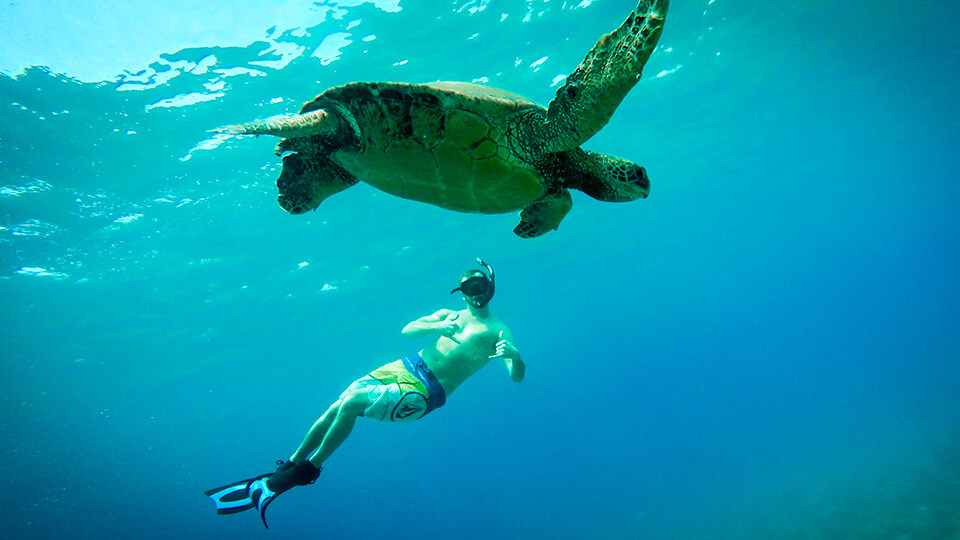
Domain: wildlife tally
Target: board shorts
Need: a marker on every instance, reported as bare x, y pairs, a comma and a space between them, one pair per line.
400, 391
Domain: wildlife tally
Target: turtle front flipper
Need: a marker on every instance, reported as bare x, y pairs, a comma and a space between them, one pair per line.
544, 214
306, 181
590, 95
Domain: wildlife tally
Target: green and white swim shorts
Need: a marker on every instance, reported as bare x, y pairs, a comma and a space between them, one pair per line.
400, 391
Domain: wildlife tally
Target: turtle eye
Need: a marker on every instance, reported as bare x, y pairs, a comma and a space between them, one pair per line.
572, 91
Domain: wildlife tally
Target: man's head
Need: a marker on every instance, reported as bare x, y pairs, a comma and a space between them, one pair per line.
477, 287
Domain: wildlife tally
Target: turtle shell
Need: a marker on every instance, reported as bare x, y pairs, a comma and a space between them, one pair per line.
442, 143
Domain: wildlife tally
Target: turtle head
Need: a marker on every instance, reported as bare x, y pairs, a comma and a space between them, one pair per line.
296, 186
605, 178
306, 181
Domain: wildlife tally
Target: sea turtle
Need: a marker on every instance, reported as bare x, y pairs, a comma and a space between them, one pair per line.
467, 147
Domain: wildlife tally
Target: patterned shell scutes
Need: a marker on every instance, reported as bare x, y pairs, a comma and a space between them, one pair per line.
441, 143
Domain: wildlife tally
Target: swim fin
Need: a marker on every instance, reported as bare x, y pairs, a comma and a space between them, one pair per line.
262, 491
235, 497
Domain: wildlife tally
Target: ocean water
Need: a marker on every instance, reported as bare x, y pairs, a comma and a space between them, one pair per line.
766, 347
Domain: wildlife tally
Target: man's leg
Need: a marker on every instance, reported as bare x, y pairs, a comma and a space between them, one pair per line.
315, 436
331, 429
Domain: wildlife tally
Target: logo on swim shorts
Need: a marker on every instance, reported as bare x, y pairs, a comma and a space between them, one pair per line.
412, 405
406, 410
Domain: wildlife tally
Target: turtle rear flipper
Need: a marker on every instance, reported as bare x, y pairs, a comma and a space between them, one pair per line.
307, 180
591, 94
321, 121
317, 122
544, 214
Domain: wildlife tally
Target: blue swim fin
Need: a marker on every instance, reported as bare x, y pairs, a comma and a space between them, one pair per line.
235, 497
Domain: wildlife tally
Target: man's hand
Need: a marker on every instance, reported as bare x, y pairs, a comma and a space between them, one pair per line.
448, 328
511, 358
505, 349
441, 322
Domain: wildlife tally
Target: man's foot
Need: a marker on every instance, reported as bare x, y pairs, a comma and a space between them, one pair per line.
262, 491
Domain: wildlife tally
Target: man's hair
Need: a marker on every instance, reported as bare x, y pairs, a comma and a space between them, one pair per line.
473, 273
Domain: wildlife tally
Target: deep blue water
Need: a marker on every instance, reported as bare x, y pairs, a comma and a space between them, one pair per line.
766, 347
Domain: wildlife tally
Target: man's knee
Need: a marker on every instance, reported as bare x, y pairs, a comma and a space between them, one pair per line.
353, 403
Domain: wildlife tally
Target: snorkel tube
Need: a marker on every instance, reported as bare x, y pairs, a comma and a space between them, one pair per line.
491, 277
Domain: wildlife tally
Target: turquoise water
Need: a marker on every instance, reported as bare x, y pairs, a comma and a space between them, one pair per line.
766, 347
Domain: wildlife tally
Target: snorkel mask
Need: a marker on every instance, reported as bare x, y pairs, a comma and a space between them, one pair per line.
476, 287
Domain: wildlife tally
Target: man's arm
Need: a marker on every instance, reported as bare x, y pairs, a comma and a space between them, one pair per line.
441, 322
516, 368
510, 355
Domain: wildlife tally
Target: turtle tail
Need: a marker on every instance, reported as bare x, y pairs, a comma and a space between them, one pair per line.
318, 122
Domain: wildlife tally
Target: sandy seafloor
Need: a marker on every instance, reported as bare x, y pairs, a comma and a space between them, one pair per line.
765, 348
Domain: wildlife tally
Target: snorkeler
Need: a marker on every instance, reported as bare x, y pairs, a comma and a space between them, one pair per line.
400, 391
